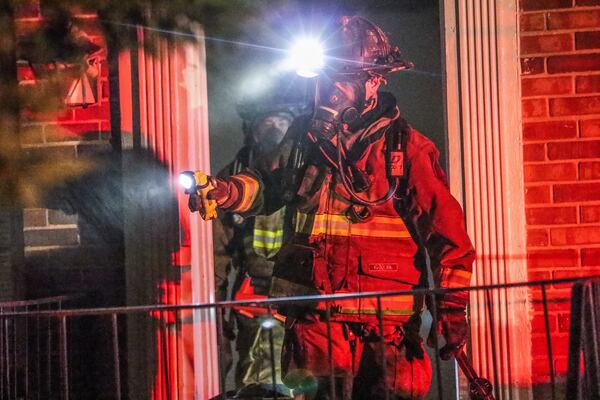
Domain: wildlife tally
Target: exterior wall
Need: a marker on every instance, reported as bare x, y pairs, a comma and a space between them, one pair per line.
74, 244
560, 70
11, 218
65, 252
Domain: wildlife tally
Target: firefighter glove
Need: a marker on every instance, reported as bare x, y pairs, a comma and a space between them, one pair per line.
259, 267
455, 329
224, 193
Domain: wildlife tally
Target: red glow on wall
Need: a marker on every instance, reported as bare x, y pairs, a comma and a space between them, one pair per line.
560, 95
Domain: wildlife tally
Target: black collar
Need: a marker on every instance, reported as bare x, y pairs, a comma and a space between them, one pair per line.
386, 106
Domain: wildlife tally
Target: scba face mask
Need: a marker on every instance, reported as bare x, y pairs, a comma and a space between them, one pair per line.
336, 104
270, 130
270, 139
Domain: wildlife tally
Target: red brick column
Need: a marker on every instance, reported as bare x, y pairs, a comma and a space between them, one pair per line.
560, 69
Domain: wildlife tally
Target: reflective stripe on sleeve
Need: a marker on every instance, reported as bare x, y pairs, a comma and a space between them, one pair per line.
455, 278
250, 187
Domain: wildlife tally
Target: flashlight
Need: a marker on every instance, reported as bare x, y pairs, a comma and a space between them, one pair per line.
306, 57
186, 179
198, 183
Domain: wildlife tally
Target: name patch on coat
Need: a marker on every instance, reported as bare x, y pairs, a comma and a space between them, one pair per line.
382, 267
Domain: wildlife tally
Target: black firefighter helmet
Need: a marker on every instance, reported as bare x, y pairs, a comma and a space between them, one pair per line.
288, 97
252, 112
357, 47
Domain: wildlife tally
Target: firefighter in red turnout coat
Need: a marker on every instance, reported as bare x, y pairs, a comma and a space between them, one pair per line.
367, 204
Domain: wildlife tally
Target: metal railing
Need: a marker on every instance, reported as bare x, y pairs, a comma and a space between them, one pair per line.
30, 348
36, 347
584, 342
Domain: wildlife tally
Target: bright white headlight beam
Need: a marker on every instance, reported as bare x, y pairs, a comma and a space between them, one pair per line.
307, 57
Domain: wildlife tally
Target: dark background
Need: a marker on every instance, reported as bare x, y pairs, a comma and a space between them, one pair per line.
413, 26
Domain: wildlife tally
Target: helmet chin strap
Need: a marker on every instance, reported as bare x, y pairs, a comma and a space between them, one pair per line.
370, 104
370, 92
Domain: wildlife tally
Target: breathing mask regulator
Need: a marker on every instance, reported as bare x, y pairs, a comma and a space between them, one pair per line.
339, 105
335, 107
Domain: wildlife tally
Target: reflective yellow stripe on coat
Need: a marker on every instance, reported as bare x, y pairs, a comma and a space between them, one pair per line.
390, 305
339, 225
269, 240
267, 236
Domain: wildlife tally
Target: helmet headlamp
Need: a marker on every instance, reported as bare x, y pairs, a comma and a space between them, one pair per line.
356, 49
306, 57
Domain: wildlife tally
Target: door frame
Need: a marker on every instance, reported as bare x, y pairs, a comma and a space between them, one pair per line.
480, 52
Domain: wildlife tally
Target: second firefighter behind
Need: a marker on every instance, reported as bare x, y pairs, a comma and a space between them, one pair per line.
250, 244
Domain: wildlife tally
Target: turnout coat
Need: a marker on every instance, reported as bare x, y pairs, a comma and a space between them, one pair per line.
350, 226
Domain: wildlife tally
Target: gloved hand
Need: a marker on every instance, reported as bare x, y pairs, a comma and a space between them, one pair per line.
259, 267
455, 329
224, 192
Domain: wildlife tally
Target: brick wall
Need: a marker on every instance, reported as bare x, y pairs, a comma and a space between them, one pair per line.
73, 242
64, 252
560, 69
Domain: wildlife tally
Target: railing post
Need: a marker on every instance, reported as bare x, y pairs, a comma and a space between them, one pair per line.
584, 335
38, 364
1, 354
26, 318
330, 350
14, 342
272, 352
7, 354
548, 342
49, 359
493, 348
382, 348
219, 352
116, 356
64, 357
433, 338
592, 338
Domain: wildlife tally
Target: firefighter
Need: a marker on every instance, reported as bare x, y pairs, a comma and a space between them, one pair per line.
250, 244
371, 209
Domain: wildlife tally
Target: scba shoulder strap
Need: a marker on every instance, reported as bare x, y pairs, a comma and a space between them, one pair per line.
243, 160
395, 154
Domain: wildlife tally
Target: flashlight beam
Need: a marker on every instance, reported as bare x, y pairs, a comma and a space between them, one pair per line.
245, 44
203, 37
215, 39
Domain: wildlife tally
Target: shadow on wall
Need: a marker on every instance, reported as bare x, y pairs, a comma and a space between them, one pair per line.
124, 220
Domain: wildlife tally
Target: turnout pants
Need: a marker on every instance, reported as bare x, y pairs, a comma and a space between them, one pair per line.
259, 369
359, 369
